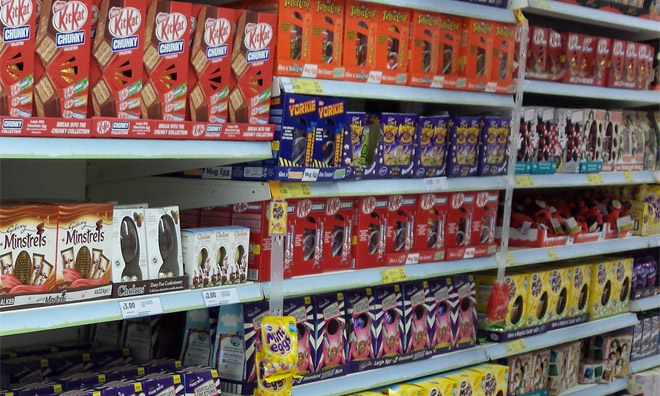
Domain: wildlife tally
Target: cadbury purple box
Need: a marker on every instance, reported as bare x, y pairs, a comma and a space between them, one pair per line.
463, 151
431, 148
199, 381
441, 328
81, 380
464, 329
121, 388
418, 310
358, 123
159, 365
302, 310
390, 146
124, 372
25, 370
330, 335
160, 384
388, 307
34, 389
494, 146
360, 324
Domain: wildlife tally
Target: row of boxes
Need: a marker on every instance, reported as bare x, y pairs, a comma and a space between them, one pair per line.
645, 9
356, 330
646, 336
332, 234
606, 357
582, 59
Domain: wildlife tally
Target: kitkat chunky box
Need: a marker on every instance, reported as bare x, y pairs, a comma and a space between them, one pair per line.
117, 51
17, 19
369, 239
435, 49
430, 227
400, 230
376, 43
484, 217
63, 44
252, 67
337, 231
166, 50
211, 60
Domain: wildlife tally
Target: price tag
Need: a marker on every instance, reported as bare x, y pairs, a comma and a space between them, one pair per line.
436, 184
311, 174
141, 307
294, 190
516, 347
624, 223
469, 253
510, 259
524, 181
628, 176
213, 298
595, 179
306, 86
552, 254
393, 275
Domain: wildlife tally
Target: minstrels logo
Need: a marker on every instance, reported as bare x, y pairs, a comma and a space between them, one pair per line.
257, 38
328, 7
427, 20
302, 108
302, 4
123, 24
362, 12
14, 14
170, 29
69, 18
216, 34
394, 16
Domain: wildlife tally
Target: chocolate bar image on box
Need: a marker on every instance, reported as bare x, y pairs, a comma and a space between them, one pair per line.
151, 108
47, 103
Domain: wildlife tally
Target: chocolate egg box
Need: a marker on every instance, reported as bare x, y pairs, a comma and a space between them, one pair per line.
330, 335
430, 227
390, 143
517, 305
302, 309
390, 329
442, 328
164, 242
419, 315
361, 325
464, 312
494, 146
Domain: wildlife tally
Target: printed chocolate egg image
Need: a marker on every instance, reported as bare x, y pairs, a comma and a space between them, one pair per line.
128, 239
165, 236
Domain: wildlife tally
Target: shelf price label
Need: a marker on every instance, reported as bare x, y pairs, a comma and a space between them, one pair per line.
595, 179
295, 190
510, 259
140, 307
213, 298
435, 184
628, 177
524, 181
552, 254
393, 275
306, 86
516, 347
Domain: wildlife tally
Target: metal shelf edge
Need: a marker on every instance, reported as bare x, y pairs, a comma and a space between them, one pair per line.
645, 304
597, 389
647, 363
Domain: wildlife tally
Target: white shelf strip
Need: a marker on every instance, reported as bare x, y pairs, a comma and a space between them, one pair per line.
597, 389
393, 374
645, 304
626, 97
454, 8
75, 314
567, 334
637, 366
574, 180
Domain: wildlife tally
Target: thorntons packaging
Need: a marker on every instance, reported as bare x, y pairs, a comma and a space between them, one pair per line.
211, 59
117, 50
63, 47
17, 18
165, 58
252, 64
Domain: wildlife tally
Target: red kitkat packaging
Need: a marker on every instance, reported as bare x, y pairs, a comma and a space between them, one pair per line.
192, 74
117, 53
476, 48
252, 65
430, 227
553, 63
483, 222
337, 231
304, 238
166, 49
211, 61
644, 66
376, 43
504, 46
603, 49
17, 20
588, 59
369, 237
623, 65
537, 51
310, 38
459, 226
63, 45
573, 54
400, 229
94, 69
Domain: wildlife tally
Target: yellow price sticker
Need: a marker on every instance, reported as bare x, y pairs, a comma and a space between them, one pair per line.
552, 254
628, 176
516, 347
290, 190
393, 275
307, 86
542, 5
524, 181
595, 179
510, 259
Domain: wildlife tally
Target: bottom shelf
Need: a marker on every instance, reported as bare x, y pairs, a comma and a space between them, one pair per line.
647, 363
597, 389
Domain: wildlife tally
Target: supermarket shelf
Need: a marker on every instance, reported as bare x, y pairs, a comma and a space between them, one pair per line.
76, 314
645, 304
647, 363
623, 97
527, 256
344, 280
405, 186
393, 374
582, 179
597, 389
348, 89
560, 336
637, 29
454, 8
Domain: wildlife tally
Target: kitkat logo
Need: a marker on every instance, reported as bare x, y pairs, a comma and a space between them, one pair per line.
457, 200
15, 13
257, 38
170, 29
123, 22
427, 201
69, 16
482, 199
216, 34
332, 206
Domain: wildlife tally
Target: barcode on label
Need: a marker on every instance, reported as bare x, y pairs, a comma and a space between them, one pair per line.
169, 391
331, 311
464, 290
206, 389
259, 319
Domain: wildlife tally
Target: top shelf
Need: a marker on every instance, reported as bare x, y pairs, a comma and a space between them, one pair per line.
454, 8
637, 29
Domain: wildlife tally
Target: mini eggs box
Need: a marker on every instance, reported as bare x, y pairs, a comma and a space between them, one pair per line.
464, 312
302, 310
388, 307
418, 310
494, 146
463, 152
361, 324
431, 146
441, 330
390, 144
330, 336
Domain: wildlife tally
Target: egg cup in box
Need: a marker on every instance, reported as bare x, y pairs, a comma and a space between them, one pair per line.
515, 316
388, 306
302, 310
431, 147
430, 227
390, 146
361, 327
441, 330
496, 378
418, 310
464, 329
